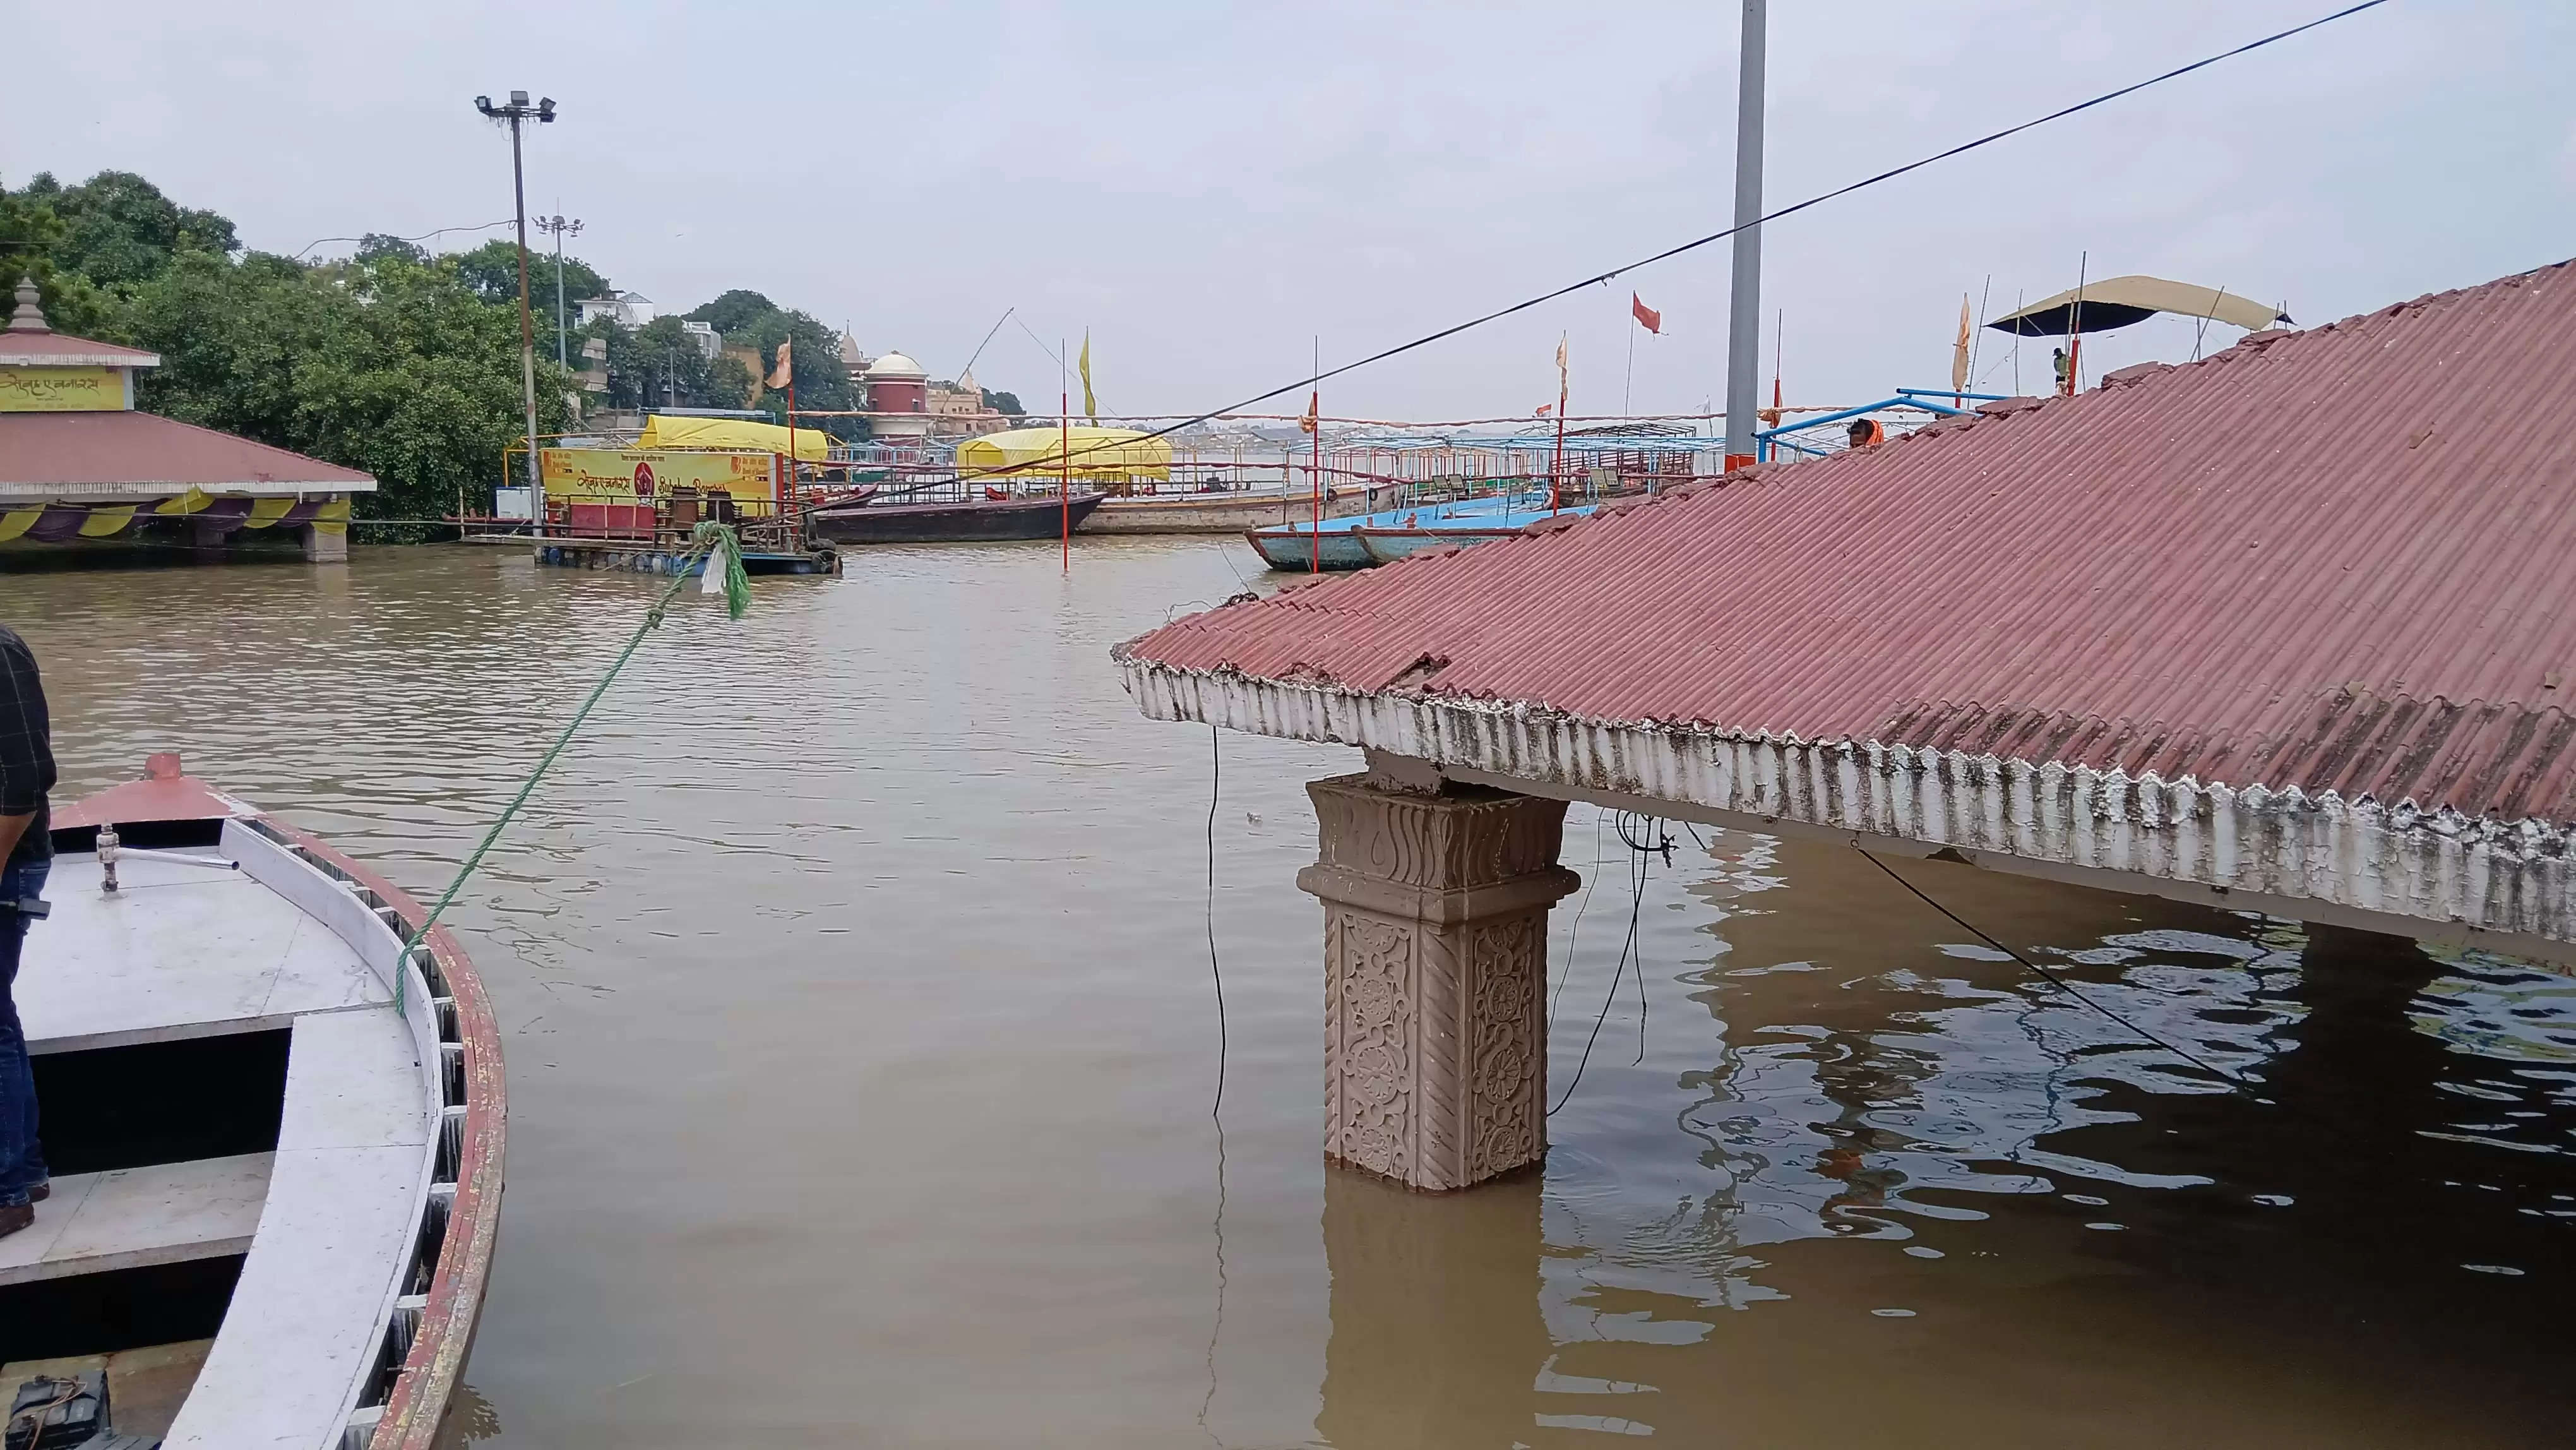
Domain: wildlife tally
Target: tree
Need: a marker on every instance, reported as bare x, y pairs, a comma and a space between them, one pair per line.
1007, 404
492, 270
387, 365
378, 247
734, 311
119, 230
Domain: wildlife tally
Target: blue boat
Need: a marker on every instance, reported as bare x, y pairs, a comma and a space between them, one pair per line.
1442, 526
1341, 543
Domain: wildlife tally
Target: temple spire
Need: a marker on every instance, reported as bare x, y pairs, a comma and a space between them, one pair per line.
28, 317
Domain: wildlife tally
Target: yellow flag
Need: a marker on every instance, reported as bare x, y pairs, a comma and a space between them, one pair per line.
1090, 404
1959, 350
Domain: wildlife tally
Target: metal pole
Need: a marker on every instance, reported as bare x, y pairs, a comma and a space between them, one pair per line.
562, 359
1744, 307
527, 336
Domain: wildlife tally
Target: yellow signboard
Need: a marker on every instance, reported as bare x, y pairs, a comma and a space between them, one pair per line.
641, 475
62, 390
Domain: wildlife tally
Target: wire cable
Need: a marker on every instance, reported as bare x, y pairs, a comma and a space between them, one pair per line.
1216, 780
1603, 278
2043, 973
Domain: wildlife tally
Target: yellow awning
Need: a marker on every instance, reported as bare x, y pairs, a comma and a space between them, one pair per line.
732, 435
1096, 453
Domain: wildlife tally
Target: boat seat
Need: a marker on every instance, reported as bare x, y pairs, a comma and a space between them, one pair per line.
168, 1213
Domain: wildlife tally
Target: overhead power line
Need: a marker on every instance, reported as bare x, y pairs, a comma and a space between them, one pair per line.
1599, 278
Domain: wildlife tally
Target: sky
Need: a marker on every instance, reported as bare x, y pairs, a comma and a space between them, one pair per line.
1214, 192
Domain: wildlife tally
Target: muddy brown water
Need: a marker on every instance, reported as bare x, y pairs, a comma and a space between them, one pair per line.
861, 1049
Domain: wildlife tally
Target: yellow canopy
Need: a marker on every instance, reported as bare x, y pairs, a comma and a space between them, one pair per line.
732, 435
1095, 453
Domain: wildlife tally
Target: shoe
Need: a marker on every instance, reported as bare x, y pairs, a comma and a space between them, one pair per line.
15, 1216
41, 1191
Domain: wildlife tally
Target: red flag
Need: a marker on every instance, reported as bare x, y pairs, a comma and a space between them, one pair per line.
1649, 317
1546, 408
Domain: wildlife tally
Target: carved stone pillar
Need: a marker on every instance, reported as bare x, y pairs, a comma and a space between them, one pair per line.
1435, 959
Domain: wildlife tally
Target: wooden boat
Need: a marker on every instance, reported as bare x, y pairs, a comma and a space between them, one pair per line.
1430, 529
1226, 511
1293, 547
1028, 516
276, 1137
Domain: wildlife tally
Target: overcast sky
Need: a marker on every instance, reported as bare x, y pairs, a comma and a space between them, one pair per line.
1209, 188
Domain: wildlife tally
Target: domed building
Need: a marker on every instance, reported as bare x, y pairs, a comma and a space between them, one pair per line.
898, 398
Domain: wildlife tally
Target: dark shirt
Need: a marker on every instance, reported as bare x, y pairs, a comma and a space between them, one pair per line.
26, 748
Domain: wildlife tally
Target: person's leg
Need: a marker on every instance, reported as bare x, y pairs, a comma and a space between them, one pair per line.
22, 1163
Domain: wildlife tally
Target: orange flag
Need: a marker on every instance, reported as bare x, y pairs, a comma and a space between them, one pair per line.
1959, 350
1314, 411
779, 374
1652, 320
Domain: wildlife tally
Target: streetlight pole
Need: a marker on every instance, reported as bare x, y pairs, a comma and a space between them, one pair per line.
557, 225
517, 112
1744, 303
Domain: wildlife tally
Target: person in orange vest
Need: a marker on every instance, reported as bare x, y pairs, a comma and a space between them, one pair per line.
1866, 431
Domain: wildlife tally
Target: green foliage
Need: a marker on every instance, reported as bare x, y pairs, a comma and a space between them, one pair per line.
119, 230
492, 270
388, 365
395, 362
734, 311
1007, 404
89, 246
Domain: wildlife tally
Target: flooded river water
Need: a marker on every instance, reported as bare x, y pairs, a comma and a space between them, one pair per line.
861, 1049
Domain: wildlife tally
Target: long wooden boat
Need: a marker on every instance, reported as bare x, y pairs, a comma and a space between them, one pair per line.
276, 1137
1295, 547
1227, 512
1415, 533
1031, 516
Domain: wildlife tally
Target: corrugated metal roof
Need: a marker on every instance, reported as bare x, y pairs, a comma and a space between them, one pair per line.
71, 453
2336, 559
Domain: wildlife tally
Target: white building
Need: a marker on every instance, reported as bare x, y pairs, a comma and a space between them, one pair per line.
626, 309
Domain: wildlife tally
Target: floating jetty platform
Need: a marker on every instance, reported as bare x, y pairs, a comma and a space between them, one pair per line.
645, 556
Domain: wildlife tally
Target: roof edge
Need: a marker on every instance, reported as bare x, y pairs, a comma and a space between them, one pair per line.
2359, 854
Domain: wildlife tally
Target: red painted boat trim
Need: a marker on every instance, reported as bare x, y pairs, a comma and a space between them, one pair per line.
436, 1362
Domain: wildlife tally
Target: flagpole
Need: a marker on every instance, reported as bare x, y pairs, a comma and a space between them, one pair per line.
787, 500
1315, 467
1556, 468
1064, 459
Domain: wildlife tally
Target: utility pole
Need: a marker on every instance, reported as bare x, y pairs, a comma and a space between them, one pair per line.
557, 225
1744, 305
517, 113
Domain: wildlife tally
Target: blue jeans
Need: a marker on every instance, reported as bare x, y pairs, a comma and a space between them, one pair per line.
22, 1158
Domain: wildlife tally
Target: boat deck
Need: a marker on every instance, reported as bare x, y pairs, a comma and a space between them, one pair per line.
183, 950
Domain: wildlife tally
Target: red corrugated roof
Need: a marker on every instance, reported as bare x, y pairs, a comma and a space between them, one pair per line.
72, 451
2340, 558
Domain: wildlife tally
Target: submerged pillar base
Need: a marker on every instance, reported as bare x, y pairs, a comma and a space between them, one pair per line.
1435, 959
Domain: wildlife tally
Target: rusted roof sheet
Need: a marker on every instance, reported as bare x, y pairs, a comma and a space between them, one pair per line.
79, 454
2336, 559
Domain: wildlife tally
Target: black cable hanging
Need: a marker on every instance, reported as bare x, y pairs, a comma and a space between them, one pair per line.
1603, 278
2044, 974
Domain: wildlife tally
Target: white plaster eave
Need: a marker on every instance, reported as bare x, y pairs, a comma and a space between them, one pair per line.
2325, 857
